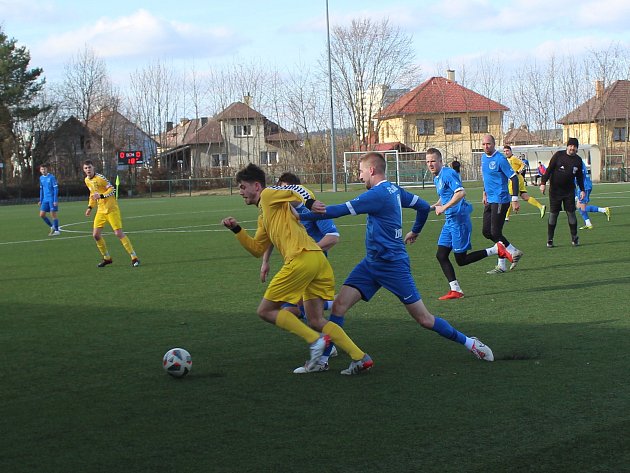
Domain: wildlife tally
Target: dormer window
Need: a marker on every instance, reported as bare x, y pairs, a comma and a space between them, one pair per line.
241, 131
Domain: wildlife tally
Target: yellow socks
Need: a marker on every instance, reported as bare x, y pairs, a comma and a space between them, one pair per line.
102, 247
127, 244
534, 202
289, 322
341, 339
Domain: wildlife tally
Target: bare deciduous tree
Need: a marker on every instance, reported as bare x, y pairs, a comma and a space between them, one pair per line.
367, 56
86, 87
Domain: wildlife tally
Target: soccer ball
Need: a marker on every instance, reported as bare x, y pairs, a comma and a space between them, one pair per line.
177, 362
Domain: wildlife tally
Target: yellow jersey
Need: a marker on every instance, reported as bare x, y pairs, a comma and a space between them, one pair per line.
279, 225
100, 185
516, 164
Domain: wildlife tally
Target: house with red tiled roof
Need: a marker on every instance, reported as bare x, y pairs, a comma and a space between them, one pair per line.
440, 113
603, 120
234, 137
519, 136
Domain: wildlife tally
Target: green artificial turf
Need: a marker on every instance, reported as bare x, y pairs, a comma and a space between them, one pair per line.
83, 389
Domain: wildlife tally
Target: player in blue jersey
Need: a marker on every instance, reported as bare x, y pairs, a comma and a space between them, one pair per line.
48, 199
324, 232
496, 171
386, 263
582, 203
457, 230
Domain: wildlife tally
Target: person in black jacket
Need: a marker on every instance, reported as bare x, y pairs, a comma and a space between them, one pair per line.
563, 172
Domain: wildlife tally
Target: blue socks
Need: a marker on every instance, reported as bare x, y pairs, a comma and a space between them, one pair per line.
443, 328
47, 221
56, 224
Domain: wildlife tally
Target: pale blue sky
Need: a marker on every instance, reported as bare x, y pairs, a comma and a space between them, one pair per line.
286, 33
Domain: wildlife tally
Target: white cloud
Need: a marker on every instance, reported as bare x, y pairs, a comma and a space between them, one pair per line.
142, 35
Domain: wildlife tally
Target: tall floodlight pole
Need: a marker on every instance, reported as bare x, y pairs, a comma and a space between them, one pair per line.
333, 158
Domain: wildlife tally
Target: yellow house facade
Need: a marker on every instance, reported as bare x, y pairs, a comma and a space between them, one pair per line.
440, 113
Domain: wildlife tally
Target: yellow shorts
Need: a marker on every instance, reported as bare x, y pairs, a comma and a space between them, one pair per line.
308, 276
521, 185
113, 217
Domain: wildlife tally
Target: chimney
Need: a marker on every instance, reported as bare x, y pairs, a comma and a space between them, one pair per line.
183, 121
204, 121
450, 75
599, 89
169, 126
247, 99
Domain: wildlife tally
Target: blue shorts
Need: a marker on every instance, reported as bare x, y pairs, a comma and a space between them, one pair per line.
395, 276
456, 234
47, 206
587, 196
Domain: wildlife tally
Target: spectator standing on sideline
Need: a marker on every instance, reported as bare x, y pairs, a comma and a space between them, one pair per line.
563, 173
48, 199
457, 230
496, 171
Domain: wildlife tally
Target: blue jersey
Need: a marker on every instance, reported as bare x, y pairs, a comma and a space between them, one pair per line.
383, 205
48, 188
588, 182
447, 182
496, 171
320, 228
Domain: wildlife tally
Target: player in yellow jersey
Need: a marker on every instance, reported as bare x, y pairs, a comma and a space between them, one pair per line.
306, 273
518, 166
103, 194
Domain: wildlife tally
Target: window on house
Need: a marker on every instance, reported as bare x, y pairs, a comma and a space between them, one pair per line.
242, 130
425, 127
619, 134
479, 124
219, 160
268, 157
452, 126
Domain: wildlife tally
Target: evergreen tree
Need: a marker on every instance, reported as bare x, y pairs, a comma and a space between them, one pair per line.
19, 86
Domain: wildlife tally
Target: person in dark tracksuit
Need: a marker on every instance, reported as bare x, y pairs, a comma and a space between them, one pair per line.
563, 173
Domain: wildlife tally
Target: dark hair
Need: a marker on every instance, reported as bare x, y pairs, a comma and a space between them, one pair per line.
456, 165
434, 151
88, 162
251, 173
574, 142
289, 178
507, 147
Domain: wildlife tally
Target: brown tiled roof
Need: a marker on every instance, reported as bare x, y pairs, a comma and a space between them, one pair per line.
282, 136
401, 147
238, 110
440, 95
196, 132
520, 135
614, 103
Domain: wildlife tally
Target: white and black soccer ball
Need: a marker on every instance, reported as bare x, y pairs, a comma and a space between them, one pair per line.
177, 362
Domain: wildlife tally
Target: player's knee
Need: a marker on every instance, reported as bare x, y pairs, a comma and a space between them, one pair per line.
265, 315
441, 255
460, 259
